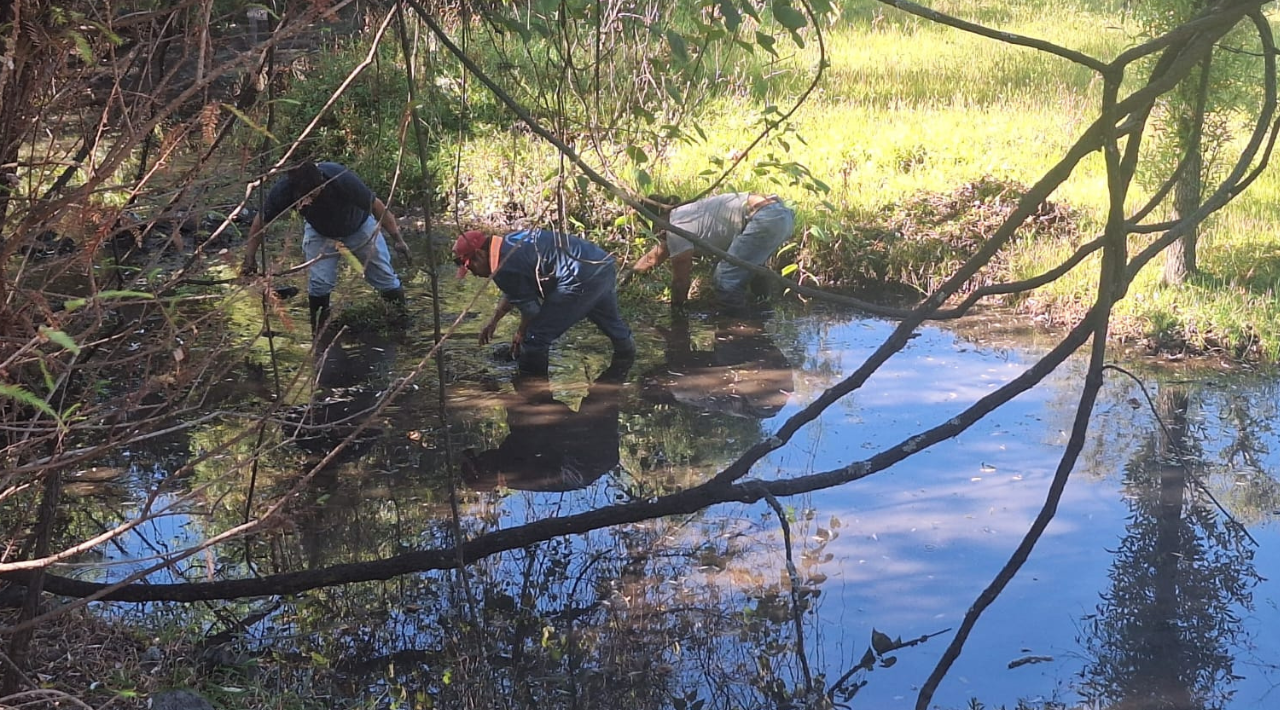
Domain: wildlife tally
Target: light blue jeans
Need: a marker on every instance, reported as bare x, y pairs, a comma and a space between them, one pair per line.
765, 232
366, 243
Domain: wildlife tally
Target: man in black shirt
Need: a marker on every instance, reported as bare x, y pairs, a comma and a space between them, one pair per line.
336, 206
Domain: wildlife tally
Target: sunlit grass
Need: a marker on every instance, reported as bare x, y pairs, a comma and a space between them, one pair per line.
909, 107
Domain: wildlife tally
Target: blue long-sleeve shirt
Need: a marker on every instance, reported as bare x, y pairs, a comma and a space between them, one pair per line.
536, 264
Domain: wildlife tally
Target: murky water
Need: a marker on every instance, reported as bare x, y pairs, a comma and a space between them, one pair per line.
1148, 588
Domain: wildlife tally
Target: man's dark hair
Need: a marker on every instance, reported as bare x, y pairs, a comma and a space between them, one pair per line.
305, 178
663, 204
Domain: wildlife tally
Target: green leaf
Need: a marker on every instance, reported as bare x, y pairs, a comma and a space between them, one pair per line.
115, 39
678, 46
72, 304
21, 395
82, 46
822, 7
49, 383
258, 129
643, 180
788, 16
109, 295
673, 91
637, 154
732, 18
61, 338
790, 269
643, 113
766, 42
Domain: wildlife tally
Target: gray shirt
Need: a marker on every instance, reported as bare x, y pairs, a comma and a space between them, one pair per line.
716, 219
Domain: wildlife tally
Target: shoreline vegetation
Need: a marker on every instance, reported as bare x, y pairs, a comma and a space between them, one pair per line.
924, 137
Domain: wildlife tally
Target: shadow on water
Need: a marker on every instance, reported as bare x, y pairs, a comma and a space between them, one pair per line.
743, 373
1141, 592
550, 446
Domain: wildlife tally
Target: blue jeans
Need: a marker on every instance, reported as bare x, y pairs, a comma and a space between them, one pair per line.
767, 229
597, 301
368, 246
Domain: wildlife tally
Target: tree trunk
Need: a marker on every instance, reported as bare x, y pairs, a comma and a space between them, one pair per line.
1180, 257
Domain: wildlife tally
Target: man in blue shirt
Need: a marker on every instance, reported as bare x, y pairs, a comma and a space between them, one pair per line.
336, 206
554, 280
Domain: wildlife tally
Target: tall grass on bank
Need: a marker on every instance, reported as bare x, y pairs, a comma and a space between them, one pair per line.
907, 108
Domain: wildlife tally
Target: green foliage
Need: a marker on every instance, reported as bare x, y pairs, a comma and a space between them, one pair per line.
1234, 84
667, 97
364, 128
23, 397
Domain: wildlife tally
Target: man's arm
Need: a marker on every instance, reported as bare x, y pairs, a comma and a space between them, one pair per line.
655, 257
388, 222
681, 278
250, 265
518, 339
503, 308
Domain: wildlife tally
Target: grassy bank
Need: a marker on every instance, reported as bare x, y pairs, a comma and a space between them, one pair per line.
910, 112
910, 115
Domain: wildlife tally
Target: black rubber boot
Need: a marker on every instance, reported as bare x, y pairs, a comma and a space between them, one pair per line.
624, 349
397, 306
618, 368
733, 305
319, 308
760, 290
534, 364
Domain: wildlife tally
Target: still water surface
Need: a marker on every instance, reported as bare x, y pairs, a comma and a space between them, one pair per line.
1141, 593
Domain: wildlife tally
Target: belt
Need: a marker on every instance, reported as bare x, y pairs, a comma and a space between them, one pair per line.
755, 203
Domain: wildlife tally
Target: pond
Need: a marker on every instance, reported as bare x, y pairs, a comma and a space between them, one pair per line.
1150, 587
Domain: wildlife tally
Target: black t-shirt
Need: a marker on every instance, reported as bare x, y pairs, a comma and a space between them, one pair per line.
336, 211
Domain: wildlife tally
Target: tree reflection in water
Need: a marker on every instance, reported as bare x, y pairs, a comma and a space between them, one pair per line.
636, 616
631, 617
743, 373
1162, 636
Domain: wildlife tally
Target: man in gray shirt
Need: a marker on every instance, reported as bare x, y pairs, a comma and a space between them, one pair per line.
336, 206
748, 226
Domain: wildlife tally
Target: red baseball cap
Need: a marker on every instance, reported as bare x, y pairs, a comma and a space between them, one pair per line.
466, 247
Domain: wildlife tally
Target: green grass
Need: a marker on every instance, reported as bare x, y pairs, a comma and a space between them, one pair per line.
907, 111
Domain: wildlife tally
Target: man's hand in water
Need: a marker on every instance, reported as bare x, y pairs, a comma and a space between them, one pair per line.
403, 250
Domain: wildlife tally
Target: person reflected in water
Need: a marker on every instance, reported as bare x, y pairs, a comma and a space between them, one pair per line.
550, 447
744, 373
351, 371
